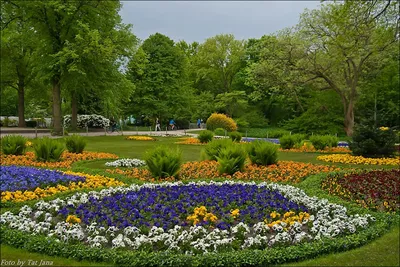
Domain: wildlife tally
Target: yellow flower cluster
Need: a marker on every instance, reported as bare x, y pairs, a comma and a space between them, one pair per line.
383, 128
307, 147
189, 141
72, 219
235, 213
140, 138
349, 159
28, 144
289, 218
92, 181
201, 214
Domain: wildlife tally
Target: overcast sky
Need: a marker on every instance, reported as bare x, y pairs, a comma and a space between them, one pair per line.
197, 21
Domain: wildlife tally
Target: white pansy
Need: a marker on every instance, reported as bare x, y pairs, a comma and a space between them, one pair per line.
130, 163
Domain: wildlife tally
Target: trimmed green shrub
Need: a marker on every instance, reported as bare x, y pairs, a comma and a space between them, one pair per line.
13, 145
213, 148
287, 142
205, 136
219, 131
217, 120
235, 136
231, 159
320, 142
373, 142
263, 153
163, 162
277, 133
75, 143
47, 149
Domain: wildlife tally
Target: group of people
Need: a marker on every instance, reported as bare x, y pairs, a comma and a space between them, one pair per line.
172, 124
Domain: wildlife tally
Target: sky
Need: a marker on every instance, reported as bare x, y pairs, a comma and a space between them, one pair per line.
199, 20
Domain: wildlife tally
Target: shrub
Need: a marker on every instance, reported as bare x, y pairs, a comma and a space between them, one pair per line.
320, 142
219, 131
47, 149
217, 120
75, 143
163, 162
213, 148
263, 153
31, 124
370, 141
287, 142
13, 145
91, 121
205, 136
235, 136
277, 133
231, 159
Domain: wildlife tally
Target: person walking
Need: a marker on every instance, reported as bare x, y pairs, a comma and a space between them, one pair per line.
172, 124
199, 123
158, 126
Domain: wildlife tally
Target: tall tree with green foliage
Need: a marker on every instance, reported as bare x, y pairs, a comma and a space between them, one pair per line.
69, 29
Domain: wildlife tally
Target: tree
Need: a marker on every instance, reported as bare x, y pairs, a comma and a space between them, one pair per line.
68, 30
157, 70
217, 61
331, 46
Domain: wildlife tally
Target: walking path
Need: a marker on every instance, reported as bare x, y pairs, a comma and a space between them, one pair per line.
32, 133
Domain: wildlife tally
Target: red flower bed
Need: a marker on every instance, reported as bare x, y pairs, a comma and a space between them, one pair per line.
377, 190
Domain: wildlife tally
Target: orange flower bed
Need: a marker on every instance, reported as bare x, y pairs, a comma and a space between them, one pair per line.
189, 141
284, 171
67, 159
310, 148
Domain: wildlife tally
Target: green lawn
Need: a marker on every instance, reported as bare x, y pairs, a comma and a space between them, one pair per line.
382, 252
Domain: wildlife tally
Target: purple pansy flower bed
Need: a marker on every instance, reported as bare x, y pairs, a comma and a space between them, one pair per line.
15, 178
166, 207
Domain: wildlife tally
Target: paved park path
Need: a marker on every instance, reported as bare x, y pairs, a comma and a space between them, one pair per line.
32, 133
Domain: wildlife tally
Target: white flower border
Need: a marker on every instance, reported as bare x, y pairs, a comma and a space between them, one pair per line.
130, 163
329, 220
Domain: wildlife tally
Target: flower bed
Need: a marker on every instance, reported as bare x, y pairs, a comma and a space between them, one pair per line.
190, 141
194, 218
18, 193
15, 178
311, 149
140, 138
377, 190
349, 159
126, 163
284, 171
67, 159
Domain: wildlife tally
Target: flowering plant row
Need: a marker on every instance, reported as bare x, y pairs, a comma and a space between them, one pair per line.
83, 181
377, 190
92, 120
310, 148
349, 159
67, 159
284, 171
126, 163
189, 141
192, 218
140, 138
15, 178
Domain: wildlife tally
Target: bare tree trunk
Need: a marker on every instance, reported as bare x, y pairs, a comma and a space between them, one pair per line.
57, 130
21, 104
349, 118
74, 108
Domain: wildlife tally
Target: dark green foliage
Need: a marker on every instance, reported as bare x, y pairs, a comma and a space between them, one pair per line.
13, 145
47, 149
276, 133
205, 136
235, 136
219, 131
75, 143
263, 153
213, 148
287, 142
163, 162
371, 141
231, 159
320, 142
31, 124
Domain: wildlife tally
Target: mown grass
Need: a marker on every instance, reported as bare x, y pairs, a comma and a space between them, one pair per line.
382, 252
